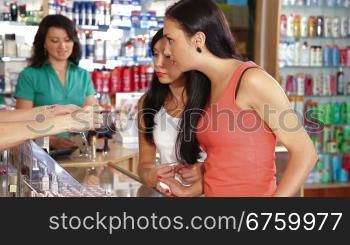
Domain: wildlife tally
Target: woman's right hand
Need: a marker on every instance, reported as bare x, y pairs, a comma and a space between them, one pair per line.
84, 119
59, 110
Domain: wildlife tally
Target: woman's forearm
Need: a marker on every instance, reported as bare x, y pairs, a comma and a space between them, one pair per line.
20, 115
14, 133
299, 166
195, 190
145, 171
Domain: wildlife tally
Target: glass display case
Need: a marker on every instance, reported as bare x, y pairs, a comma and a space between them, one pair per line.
28, 171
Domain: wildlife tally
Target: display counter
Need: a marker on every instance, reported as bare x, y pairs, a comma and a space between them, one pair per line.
28, 171
113, 179
118, 154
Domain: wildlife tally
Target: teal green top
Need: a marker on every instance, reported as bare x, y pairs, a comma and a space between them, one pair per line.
43, 86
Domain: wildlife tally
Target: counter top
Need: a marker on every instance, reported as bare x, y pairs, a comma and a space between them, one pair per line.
113, 179
117, 153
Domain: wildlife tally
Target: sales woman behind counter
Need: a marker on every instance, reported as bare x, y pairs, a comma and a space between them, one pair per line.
53, 76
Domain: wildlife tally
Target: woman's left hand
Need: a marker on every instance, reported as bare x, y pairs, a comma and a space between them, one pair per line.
176, 189
190, 173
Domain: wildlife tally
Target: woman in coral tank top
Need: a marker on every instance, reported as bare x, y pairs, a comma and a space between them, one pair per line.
246, 111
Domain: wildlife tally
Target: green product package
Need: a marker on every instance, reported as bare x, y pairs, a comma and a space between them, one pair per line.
335, 116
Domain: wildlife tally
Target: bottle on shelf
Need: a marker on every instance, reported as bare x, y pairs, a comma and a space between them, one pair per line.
340, 82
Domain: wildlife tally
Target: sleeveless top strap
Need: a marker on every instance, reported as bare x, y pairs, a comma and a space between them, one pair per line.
238, 77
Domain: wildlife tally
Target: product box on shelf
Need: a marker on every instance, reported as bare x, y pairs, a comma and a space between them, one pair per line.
126, 118
10, 71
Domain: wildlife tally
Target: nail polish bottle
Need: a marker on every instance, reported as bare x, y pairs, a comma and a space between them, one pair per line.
54, 184
45, 181
36, 175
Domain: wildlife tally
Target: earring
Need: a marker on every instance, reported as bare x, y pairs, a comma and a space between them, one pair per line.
199, 50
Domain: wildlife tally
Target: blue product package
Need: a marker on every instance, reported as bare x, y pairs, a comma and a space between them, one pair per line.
336, 167
327, 56
336, 57
343, 176
93, 10
144, 21
135, 19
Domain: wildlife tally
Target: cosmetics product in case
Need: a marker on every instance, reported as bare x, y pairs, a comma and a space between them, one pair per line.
45, 181
54, 184
35, 174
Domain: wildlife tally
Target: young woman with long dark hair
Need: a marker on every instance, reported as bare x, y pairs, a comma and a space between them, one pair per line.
163, 125
247, 109
53, 75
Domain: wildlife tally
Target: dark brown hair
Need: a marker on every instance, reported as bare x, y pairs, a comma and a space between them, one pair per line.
205, 16
197, 88
39, 56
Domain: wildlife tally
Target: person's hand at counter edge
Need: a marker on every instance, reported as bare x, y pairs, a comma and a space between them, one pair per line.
179, 190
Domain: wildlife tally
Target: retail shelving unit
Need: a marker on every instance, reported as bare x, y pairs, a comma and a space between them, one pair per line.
312, 82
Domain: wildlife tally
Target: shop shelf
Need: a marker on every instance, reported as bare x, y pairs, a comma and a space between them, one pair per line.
13, 59
314, 38
328, 153
314, 67
327, 185
284, 7
337, 124
320, 96
14, 23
